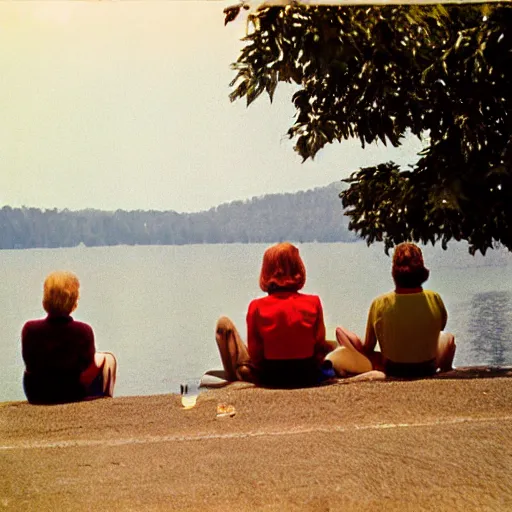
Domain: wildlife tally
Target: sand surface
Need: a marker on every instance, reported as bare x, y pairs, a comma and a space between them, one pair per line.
439, 444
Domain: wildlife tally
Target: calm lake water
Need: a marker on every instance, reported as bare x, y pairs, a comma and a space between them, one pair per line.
156, 306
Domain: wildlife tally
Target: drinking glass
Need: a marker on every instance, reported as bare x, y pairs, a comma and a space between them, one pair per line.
189, 392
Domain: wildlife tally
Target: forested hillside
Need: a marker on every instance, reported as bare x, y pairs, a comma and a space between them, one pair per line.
313, 215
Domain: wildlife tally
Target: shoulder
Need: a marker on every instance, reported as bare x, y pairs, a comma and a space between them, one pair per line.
258, 300
32, 325
385, 298
315, 299
431, 293
82, 327
433, 296
256, 303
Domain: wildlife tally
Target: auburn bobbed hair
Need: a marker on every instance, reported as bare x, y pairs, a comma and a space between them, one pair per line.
408, 269
282, 268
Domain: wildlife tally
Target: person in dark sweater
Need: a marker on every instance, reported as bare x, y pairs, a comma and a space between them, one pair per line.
61, 362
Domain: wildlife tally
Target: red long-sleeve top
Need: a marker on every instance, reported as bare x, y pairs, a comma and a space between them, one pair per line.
285, 325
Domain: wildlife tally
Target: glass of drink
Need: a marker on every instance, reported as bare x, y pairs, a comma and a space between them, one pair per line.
189, 392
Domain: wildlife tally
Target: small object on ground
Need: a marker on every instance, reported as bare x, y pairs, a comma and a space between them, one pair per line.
327, 370
189, 392
225, 411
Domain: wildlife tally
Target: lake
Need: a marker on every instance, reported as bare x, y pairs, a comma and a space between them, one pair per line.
155, 307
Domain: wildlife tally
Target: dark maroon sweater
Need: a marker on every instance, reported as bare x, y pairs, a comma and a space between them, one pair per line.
56, 350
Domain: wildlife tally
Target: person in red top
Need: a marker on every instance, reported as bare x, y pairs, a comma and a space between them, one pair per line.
286, 342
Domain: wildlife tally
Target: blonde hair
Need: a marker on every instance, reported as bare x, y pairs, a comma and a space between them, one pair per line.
60, 293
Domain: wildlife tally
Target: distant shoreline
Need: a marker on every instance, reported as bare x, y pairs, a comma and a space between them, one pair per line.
307, 216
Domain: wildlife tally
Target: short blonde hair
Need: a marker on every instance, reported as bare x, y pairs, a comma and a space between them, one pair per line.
60, 293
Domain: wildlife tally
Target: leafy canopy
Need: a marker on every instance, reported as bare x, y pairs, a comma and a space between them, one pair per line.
440, 72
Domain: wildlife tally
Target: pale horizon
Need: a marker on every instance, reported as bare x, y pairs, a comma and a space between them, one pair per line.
124, 105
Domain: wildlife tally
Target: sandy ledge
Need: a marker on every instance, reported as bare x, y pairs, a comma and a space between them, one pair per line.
436, 444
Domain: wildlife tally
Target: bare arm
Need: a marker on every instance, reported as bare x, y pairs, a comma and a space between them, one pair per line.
370, 339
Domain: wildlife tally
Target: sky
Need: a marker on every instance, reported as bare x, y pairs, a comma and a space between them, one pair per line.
125, 104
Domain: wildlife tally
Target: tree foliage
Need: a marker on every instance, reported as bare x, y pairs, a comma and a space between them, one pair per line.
377, 73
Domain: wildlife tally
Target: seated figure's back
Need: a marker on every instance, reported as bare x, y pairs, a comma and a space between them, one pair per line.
57, 349
407, 325
285, 321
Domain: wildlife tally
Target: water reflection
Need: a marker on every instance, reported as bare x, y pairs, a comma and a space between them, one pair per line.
490, 328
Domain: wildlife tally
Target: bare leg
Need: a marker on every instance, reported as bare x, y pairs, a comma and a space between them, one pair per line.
106, 363
348, 358
445, 351
352, 341
90, 373
233, 352
109, 373
349, 339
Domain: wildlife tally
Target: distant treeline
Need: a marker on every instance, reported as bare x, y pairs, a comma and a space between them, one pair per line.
314, 215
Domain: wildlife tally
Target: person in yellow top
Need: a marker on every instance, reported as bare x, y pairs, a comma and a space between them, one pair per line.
407, 323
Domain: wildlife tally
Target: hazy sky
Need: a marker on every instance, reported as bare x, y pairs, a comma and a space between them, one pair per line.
124, 104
